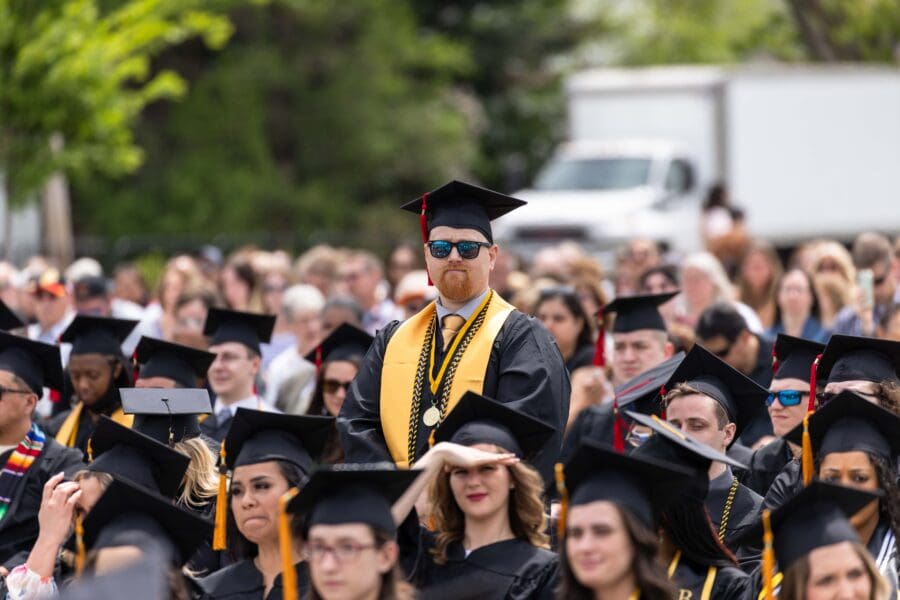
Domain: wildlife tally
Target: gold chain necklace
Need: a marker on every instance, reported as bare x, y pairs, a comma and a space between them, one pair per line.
726, 512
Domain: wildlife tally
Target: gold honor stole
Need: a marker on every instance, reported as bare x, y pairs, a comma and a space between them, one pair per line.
401, 359
69, 430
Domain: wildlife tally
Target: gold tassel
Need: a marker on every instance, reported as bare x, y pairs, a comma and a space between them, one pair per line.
806, 455
286, 546
768, 555
431, 439
79, 545
563, 501
221, 503
90, 451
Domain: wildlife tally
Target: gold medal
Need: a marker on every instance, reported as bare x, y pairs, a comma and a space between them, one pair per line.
432, 416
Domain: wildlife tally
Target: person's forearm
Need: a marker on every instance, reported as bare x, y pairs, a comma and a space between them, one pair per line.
429, 465
42, 559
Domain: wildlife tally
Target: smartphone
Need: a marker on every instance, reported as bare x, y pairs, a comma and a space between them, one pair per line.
866, 281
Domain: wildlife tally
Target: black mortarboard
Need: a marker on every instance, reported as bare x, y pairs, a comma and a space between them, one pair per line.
249, 329
477, 419
848, 358
740, 396
817, 516
126, 515
97, 335
166, 415
35, 363
641, 485
638, 312
256, 436
345, 343
9, 319
352, 494
795, 356
137, 458
182, 364
641, 393
848, 423
463, 206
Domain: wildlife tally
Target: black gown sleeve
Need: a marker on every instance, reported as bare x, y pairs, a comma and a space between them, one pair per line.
787, 485
359, 422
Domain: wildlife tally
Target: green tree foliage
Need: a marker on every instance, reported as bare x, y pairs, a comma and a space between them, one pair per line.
317, 114
79, 72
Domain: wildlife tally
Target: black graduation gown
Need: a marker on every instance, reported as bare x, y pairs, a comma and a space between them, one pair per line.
86, 428
508, 570
242, 581
205, 560
525, 371
593, 423
730, 583
19, 528
745, 511
765, 465
786, 485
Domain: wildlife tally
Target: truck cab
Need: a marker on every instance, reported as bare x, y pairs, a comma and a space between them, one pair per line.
600, 194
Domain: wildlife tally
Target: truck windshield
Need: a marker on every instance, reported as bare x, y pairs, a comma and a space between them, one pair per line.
593, 174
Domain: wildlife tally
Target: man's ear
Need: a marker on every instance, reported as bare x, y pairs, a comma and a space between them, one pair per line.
729, 430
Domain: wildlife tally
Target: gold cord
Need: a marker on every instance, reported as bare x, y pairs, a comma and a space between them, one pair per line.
726, 512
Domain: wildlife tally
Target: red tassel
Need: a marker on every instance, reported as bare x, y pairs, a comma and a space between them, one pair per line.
662, 402
813, 371
135, 369
600, 348
55, 395
775, 364
618, 429
423, 224
318, 360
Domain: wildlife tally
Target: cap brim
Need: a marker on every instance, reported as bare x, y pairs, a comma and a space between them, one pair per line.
683, 440
311, 432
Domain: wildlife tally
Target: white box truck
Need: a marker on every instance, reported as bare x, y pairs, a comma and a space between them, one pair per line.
806, 151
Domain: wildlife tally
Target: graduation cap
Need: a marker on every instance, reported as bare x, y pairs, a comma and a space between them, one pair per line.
794, 357
353, 493
674, 446
641, 485
126, 515
249, 329
848, 358
166, 415
638, 312
641, 393
816, 517
97, 335
255, 436
9, 319
462, 206
35, 363
740, 396
477, 419
347, 342
182, 364
848, 423
137, 458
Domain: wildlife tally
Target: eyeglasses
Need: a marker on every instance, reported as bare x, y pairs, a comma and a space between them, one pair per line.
786, 397
826, 397
343, 552
467, 249
5, 390
331, 386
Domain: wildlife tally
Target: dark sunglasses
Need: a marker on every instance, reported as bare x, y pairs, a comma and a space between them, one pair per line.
6, 390
467, 249
331, 386
786, 397
826, 397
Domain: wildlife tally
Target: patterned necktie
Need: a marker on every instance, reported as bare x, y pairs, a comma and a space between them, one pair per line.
450, 326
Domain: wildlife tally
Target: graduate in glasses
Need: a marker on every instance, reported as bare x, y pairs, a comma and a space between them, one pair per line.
788, 402
468, 339
337, 361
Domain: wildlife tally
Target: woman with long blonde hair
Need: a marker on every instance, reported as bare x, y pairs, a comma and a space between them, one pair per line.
487, 533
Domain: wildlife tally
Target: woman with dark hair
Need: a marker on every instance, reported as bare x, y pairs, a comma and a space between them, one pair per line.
608, 521
488, 535
561, 312
268, 454
696, 559
240, 285
337, 358
97, 369
797, 311
349, 535
856, 444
